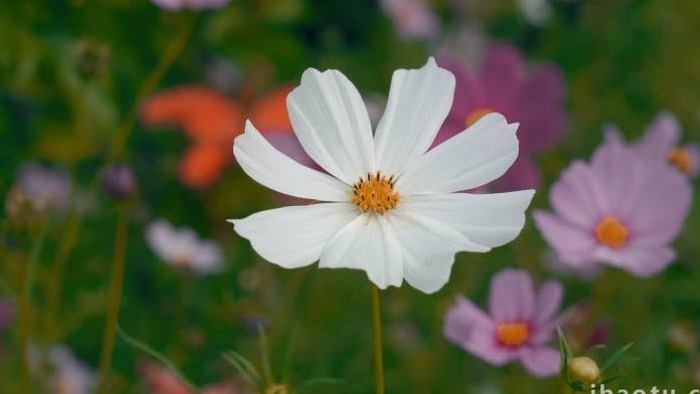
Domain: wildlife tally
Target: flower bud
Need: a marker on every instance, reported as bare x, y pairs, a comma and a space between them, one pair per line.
22, 211
118, 181
584, 370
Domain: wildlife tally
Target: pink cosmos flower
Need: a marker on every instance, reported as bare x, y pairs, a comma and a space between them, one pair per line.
519, 325
534, 98
620, 209
412, 18
177, 5
661, 141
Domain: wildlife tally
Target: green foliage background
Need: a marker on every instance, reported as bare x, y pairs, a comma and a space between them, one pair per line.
624, 60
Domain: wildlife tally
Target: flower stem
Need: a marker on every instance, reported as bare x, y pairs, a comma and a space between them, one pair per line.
116, 150
378, 358
25, 305
115, 295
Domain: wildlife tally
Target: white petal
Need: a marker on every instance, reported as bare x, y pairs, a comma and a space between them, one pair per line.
428, 248
332, 124
487, 219
419, 101
472, 158
367, 243
294, 237
272, 168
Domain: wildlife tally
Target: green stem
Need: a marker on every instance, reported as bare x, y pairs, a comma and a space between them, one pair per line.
116, 150
25, 306
115, 296
378, 358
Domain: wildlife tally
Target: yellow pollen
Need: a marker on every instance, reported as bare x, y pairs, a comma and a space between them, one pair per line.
375, 193
681, 159
476, 115
512, 334
610, 232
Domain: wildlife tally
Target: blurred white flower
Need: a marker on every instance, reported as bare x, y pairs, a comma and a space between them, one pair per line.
71, 376
389, 206
536, 12
45, 185
177, 5
183, 249
412, 19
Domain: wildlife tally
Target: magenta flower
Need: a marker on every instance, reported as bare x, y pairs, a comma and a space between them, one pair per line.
620, 209
534, 98
177, 5
520, 323
661, 141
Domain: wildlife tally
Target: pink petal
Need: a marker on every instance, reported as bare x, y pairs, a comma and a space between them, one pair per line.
502, 73
640, 262
461, 320
662, 135
512, 297
578, 196
548, 301
573, 245
523, 174
541, 361
658, 207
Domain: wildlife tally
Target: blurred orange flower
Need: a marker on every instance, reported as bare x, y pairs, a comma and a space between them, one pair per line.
211, 120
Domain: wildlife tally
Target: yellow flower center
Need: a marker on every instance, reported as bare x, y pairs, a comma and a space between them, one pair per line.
681, 159
512, 334
375, 194
610, 232
476, 115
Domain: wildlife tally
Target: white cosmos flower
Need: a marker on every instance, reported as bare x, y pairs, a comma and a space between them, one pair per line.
183, 249
387, 204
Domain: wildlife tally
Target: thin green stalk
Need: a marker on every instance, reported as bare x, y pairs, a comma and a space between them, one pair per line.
115, 296
116, 151
25, 306
378, 358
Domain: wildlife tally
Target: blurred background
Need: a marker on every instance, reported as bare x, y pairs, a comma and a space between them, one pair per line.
120, 115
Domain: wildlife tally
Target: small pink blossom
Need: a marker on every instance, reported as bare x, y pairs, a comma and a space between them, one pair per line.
519, 325
618, 209
661, 142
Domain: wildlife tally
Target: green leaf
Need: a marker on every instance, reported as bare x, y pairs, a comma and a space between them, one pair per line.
265, 355
244, 367
158, 356
615, 357
320, 382
565, 352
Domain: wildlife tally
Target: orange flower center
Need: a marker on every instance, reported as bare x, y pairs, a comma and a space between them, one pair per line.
512, 334
610, 232
375, 194
681, 159
476, 115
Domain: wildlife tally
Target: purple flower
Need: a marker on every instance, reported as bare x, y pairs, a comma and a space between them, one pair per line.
177, 5
519, 325
118, 181
620, 209
661, 141
45, 185
534, 98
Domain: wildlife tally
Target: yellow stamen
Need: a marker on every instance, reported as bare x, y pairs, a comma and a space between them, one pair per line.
375, 193
512, 334
610, 232
681, 159
476, 115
